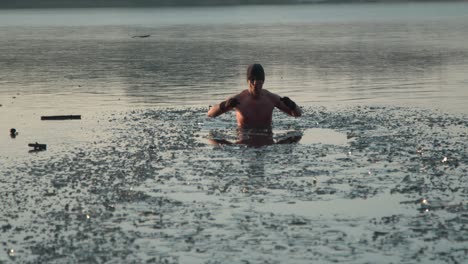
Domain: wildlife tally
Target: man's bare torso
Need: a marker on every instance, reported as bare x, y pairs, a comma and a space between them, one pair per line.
256, 112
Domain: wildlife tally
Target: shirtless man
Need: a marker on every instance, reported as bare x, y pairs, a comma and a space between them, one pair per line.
254, 106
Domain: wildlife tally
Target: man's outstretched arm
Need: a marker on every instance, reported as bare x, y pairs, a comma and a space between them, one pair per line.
223, 107
287, 105
294, 109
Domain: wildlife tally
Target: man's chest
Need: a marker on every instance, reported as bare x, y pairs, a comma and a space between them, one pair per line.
256, 108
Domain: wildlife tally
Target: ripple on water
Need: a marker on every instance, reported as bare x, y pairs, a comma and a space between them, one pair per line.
324, 136
359, 182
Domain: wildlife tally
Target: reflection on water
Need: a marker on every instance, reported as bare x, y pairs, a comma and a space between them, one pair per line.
261, 137
341, 54
379, 206
254, 138
149, 187
324, 136
114, 186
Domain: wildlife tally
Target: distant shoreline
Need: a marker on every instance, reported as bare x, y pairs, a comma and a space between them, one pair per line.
26, 4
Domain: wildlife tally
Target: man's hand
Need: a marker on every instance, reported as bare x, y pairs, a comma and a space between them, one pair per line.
231, 102
289, 103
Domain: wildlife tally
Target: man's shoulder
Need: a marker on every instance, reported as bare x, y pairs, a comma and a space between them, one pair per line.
242, 94
271, 95
266, 92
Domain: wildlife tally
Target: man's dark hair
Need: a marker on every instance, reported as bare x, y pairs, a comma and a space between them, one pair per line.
255, 71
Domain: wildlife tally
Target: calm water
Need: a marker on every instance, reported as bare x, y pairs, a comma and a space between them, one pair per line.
138, 181
403, 54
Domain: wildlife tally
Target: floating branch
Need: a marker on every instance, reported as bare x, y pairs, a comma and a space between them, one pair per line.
61, 117
141, 36
38, 147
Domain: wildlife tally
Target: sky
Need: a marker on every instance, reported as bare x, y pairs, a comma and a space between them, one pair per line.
145, 3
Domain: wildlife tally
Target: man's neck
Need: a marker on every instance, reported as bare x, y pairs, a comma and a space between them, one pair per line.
256, 96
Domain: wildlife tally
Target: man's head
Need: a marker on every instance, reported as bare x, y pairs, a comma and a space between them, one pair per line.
255, 78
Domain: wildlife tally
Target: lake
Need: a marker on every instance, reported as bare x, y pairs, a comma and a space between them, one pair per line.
406, 54
373, 172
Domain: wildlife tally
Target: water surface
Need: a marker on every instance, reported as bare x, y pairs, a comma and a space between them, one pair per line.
405, 54
376, 171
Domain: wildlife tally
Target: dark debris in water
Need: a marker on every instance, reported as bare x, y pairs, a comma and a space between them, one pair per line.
155, 190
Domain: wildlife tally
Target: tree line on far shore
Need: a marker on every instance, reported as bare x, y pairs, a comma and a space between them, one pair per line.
168, 3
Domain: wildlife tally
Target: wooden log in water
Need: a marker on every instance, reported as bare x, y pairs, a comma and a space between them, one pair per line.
38, 146
141, 36
61, 117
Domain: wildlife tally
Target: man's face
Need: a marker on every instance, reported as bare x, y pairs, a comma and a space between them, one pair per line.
255, 86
